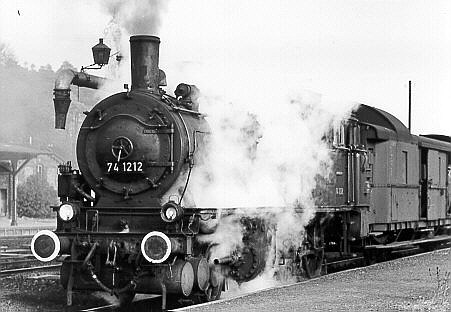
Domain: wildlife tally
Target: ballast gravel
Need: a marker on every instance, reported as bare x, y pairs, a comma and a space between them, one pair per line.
416, 283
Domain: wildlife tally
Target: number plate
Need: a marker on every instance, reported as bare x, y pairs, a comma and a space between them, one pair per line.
126, 166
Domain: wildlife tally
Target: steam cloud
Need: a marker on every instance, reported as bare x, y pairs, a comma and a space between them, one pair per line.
132, 18
267, 150
137, 16
129, 18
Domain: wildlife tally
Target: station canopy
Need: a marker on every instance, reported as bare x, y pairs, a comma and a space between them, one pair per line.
17, 152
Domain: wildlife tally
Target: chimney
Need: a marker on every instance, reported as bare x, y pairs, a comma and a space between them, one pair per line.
144, 52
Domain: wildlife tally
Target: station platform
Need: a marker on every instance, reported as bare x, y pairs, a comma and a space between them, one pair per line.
415, 283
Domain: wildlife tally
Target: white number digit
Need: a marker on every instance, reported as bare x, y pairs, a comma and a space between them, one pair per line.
116, 167
109, 166
140, 166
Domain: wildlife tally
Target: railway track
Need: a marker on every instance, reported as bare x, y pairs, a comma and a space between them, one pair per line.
21, 257
398, 251
380, 253
148, 303
29, 269
16, 256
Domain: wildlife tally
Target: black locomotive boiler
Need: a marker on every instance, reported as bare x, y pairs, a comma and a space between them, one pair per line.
122, 226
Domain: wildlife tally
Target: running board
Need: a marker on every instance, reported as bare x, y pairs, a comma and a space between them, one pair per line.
437, 239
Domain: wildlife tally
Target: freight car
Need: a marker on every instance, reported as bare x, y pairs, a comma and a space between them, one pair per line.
119, 231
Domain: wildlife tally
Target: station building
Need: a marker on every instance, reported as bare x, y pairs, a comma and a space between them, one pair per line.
17, 163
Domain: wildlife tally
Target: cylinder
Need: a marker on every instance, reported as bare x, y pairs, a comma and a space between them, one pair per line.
177, 277
144, 54
180, 278
201, 272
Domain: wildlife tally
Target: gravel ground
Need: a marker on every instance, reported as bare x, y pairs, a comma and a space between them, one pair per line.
419, 283
23, 293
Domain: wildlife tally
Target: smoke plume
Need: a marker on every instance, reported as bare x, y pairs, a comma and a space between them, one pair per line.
137, 16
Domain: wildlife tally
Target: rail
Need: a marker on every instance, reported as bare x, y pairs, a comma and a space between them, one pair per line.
30, 269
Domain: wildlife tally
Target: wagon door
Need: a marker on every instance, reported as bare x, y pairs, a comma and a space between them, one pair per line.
436, 184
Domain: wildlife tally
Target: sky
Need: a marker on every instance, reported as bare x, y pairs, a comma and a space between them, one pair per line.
364, 51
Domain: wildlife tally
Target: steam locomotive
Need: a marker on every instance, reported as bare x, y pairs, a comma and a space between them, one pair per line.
118, 231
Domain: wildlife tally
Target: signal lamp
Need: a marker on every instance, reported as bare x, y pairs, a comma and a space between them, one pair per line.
101, 53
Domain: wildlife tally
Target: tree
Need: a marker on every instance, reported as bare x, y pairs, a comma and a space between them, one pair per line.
34, 198
6, 56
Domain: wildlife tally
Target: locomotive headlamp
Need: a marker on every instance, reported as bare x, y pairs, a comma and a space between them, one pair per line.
66, 212
156, 247
171, 212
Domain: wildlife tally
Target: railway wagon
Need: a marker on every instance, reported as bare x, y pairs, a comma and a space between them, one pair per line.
387, 185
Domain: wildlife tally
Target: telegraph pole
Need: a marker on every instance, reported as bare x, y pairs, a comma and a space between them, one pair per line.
410, 105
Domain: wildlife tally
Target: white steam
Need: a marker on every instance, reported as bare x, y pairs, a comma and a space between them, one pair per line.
264, 156
137, 16
128, 18
268, 147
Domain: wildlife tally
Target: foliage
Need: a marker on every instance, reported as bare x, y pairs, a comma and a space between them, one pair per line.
27, 116
34, 198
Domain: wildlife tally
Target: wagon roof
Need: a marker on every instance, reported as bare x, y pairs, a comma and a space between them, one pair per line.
383, 121
435, 141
